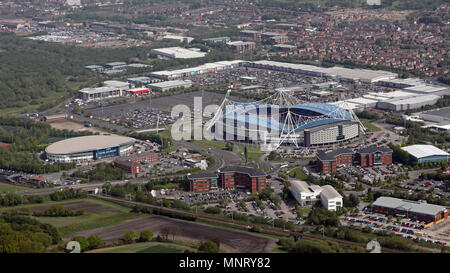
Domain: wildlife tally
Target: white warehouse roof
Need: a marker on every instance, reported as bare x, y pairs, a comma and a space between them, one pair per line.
178, 53
426, 89
420, 151
413, 100
363, 101
408, 205
168, 84
116, 84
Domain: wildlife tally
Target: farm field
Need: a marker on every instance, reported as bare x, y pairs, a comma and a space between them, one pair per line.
150, 247
231, 240
98, 214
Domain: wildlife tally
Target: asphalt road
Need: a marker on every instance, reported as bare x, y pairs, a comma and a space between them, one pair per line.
222, 157
103, 124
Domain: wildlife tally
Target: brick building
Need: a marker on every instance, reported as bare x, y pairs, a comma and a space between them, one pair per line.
50, 118
128, 166
147, 157
374, 155
250, 34
202, 182
132, 163
249, 178
242, 46
229, 177
416, 210
327, 162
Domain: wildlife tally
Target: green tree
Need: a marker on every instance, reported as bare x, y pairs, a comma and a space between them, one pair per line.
95, 242
208, 247
130, 236
84, 243
146, 236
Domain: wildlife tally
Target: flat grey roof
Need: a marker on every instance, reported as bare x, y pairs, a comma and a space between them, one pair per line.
252, 172
408, 205
96, 90
87, 143
443, 112
301, 186
170, 84
329, 192
202, 175
331, 155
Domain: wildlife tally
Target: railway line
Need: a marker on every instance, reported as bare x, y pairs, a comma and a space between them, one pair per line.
241, 224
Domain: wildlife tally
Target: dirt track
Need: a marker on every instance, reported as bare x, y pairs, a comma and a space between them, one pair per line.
230, 240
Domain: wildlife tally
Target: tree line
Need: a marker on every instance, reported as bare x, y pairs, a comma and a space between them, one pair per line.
20, 234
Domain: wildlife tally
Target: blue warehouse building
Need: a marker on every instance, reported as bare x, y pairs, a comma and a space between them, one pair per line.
426, 153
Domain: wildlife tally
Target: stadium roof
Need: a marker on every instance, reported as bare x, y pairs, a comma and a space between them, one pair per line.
333, 112
325, 109
421, 151
408, 205
346, 105
87, 143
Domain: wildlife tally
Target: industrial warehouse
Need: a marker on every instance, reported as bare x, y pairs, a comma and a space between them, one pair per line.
178, 53
416, 210
89, 148
426, 153
169, 85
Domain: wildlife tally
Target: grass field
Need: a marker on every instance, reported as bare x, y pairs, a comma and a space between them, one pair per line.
211, 144
104, 214
370, 127
68, 226
62, 203
253, 152
5, 187
151, 247
297, 173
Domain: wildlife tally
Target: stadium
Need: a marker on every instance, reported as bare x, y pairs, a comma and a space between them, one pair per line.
87, 148
282, 119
